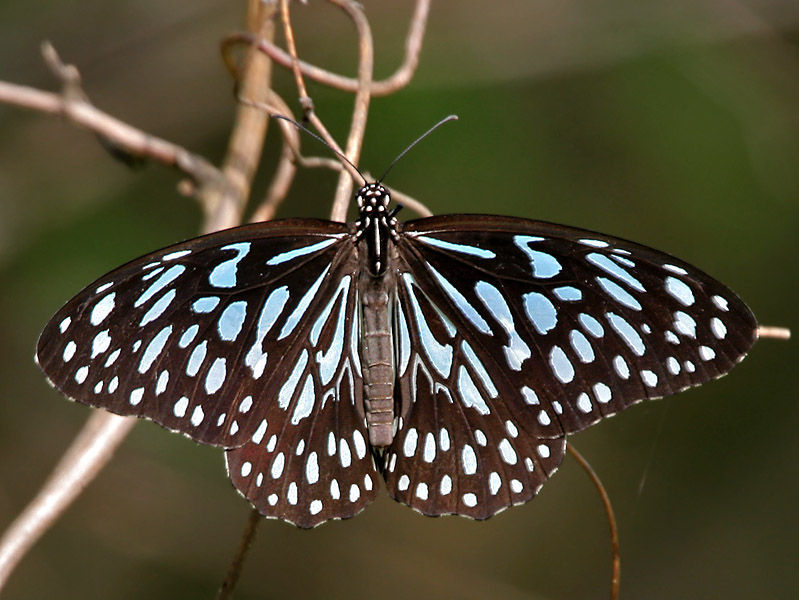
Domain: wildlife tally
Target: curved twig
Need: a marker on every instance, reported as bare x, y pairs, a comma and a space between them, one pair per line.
361, 109
90, 451
73, 104
383, 87
615, 576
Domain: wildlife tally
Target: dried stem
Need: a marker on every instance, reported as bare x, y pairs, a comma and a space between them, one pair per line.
384, 87
777, 333
305, 100
90, 451
615, 576
223, 194
73, 104
287, 164
234, 571
249, 129
361, 109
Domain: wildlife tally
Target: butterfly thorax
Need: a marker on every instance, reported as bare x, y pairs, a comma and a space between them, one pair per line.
375, 227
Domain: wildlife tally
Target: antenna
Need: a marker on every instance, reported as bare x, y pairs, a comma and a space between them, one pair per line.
331, 148
349, 162
416, 141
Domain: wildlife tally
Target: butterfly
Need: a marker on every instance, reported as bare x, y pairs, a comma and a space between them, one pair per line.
449, 356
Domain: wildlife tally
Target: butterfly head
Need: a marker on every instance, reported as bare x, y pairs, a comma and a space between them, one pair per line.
373, 198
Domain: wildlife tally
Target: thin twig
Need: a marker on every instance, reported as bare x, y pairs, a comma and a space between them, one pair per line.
234, 571
287, 164
361, 109
73, 104
777, 333
615, 577
249, 129
90, 451
383, 87
305, 100
103, 432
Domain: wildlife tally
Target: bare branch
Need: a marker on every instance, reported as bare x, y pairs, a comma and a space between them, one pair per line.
287, 164
89, 453
72, 103
305, 101
249, 130
384, 87
777, 333
361, 109
615, 569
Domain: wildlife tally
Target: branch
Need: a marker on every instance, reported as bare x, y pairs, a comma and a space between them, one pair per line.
249, 130
89, 453
361, 109
399, 79
74, 105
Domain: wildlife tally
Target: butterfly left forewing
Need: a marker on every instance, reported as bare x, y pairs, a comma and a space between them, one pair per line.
199, 336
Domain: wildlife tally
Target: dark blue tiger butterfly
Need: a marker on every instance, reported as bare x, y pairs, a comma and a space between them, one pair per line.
449, 356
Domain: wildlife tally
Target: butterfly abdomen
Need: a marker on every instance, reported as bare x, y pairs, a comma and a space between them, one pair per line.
377, 357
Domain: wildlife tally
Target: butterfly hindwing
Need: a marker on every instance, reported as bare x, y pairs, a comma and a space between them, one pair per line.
309, 460
460, 447
201, 336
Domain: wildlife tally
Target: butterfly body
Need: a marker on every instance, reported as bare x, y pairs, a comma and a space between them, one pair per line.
449, 356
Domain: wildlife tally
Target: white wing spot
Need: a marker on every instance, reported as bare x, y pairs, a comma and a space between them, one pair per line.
316, 507
507, 452
179, 410
494, 483
69, 351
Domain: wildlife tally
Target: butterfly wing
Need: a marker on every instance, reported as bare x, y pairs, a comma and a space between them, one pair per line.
535, 331
202, 336
317, 464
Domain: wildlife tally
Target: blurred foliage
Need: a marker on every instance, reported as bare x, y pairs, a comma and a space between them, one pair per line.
672, 125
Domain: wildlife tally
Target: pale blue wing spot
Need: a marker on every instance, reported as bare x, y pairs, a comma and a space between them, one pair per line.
440, 355
591, 325
287, 391
680, 291
561, 365
205, 305
460, 301
610, 267
232, 320
469, 393
157, 309
540, 311
294, 318
297, 252
196, 359
461, 248
627, 333
102, 309
618, 293
543, 265
154, 349
224, 274
305, 402
582, 347
167, 277
216, 376
568, 293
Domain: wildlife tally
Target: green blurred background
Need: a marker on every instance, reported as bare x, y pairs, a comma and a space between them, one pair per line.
674, 124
